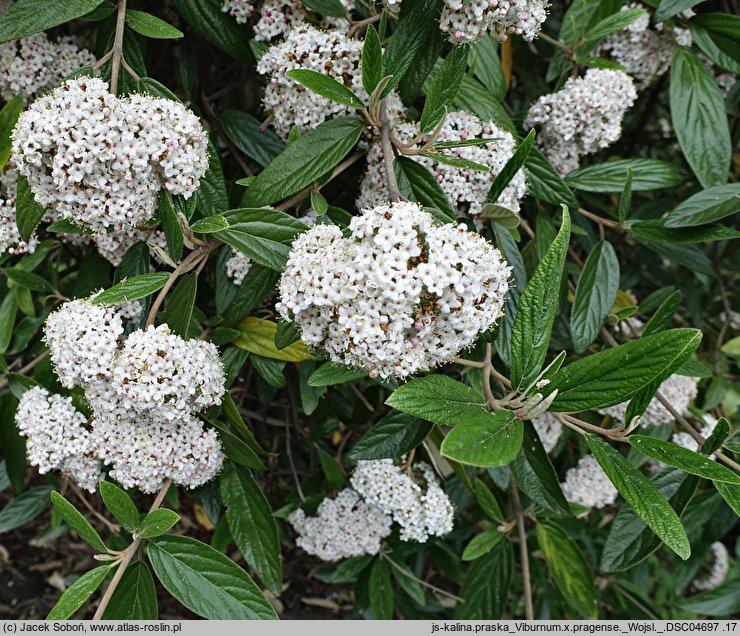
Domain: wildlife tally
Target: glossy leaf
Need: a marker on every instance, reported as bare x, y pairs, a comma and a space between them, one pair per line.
647, 174
133, 288
493, 441
151, 26
486, 585
78, 593
135, 597
158, 522
120, 505
74, 519
706, 206
394, 435
25, 17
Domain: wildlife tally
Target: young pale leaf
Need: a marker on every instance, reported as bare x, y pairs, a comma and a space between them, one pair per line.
28, 212
569, 568
151, 26
74, 519
512, 166
25, 17
394, 435
630, 541
170, 224
706, 206
546, 183
252, 525
493, 441
663, 316
329, 374
481, 544
444, 87
535, 314
372, 60
486, 585
206, 581
626, 199
135, 597
683, 459
24, 507
648, 174
699, 118
439, 399
313, 155
8, 117
77, 593
120, 505
615, 22
262, 234
326, 87
644, 498
210, 224
381, 590
258, 337
158, 522
597, 288
614, 375
133, 288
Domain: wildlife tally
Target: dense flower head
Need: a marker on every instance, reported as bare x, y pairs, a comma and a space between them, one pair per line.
465, 188
238, 266
583, 117
35, 64
548, 429
158, 373
398, 295
240, 10
330, 53
343, 527
679, 390
57, 437
714, 569
415, 500
114, 244
468, 20
277, 18
588, 485
100, 161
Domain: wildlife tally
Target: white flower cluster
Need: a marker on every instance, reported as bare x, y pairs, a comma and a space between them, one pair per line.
685, 440
114, 244
238, 266
717, 565
679, 390
100, 160
398, 295
588, 485
343, 527
467, 189
330, 53
35, 64
548, 429
468, 20
279, 17
644, 53
240, 10
143, 393
415, 501
57, 438
584, 116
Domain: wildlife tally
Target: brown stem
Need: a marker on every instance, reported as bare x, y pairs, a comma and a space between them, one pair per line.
359, 26
117, 50
615, 225
394, 193
487, 369
28, 367
558, 45
528, 608
469, 363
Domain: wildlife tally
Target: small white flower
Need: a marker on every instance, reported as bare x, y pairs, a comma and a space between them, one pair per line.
588, 485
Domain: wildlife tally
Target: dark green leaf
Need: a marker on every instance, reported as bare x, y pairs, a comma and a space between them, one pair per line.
78, 593
151, 26
394, 435
512, 166
29, 280
494, 441
135, 597
647, 174
325, 86
133, 288
24, 507
545, 183
381, 590
663, 316
25, 17
444, 87
120, 505
372, 60
722, 601
669, 8
486, 586
481, 544
171, 225
329, 374
248, 136
74, 519
615, 22
717, 437
206, 18
158, 522
286, 334
179, 308
28, 212
212, 195
8, 117
626, 199
706, 206
332, 8
487, 502
237, 450
424, 187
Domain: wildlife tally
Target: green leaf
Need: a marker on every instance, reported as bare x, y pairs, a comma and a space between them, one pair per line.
597, 288
151, 86
24, 508
135, 597
262, 234
723, 601
372, 60
78, 593
486, 66
487, 502
683, 459
120, 505
706, 206
348, 569
206, 581
381, 590
494, 441
329, 374
657, 231
25, 17
439, 399
630, 541
669, 8
237, 450
394, 435
67, 227
454, 160
331, 8
723, 29
474, 98
313, 155
717, 437
179, 307
13, 445
285, 335
133, 288
206, 18
258, 337
29, 280
731, 494
247, 134
626, 199
210, 224
423, 63
28, 212
424, 187
535, 475
170, 224
535, 314
212, 195
699, 118
331, 469
252, 525
613, 23
726, 58
481, 544
326, 87
512, 166
663, 316
151, 26
644, 498
74, 519
545, 183
647, 174
614, 375
444, 87
569, 569
8, 117
486, 585
411, 586
158, 522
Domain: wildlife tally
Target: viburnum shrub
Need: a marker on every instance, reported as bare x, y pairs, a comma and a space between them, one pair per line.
423, 307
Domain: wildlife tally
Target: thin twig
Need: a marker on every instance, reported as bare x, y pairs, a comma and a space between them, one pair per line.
117, 50
558, 45
528, 608
361, 24
27, 368
394, 193
487, 369
469, 363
